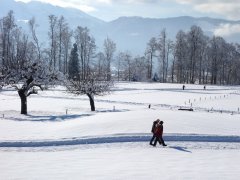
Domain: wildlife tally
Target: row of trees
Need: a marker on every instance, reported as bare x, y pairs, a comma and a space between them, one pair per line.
194, 58
71, 57
29, 67
201, 59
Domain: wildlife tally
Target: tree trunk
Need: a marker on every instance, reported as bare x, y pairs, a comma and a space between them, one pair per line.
23, 98
92, 104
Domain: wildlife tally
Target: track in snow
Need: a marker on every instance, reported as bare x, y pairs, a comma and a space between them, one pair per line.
120, 138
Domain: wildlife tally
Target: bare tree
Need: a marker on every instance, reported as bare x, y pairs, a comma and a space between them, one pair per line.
194, 41
66, 46
7, 28
100, 65
120, 65
109, 49
162, 53
139, 70
127, 65
215, 56
86, 48
169, 50
151, 53
62, 40
33, 26
53, 40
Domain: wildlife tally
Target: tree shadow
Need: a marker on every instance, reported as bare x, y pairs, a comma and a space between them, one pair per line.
179, 148
52, 118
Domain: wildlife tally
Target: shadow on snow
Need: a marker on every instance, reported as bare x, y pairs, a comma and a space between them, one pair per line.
121, 138
52, 118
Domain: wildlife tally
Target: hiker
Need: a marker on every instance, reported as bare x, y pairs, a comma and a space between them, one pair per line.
149, 106
183, 87
158, 134
153, 129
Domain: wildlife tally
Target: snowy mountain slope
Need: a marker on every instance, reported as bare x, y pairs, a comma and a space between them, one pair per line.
41, 11
130, 33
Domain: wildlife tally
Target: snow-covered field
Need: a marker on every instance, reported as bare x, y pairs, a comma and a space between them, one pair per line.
61, 138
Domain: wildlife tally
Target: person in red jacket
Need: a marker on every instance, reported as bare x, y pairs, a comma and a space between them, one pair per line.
158, 133
153, 129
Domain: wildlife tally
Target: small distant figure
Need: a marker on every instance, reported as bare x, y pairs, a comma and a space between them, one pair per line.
149, 106
183, 87
153, 130
204, 87
158, 133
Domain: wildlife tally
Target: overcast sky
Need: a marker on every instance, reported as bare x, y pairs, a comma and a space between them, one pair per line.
111, 9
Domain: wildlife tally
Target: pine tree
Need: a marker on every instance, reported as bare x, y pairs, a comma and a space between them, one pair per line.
73, 66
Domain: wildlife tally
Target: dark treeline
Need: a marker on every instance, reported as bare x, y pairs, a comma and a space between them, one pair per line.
195, 58
192, 57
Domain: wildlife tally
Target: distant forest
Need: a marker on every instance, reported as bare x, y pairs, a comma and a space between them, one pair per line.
192, 57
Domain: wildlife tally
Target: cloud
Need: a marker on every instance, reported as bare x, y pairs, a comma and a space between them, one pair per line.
111, 9
84, 5
229, 9
227, 30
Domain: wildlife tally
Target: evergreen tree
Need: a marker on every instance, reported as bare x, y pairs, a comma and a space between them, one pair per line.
73, 66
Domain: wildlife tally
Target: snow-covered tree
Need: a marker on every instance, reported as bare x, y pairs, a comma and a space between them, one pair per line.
21, 66
88, 82
29, 79
93, 86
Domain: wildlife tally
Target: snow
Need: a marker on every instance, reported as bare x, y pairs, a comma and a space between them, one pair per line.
61, 138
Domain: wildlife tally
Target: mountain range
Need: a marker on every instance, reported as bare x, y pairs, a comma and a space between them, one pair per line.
129, 33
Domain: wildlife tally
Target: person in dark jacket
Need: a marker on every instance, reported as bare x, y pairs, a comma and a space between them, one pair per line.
158, 133
153, 129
